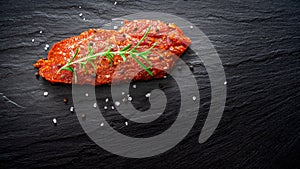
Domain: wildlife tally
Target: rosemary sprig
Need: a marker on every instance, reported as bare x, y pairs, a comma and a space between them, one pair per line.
91, 56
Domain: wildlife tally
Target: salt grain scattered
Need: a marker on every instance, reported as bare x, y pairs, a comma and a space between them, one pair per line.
126, 123
86, 94
37, 75
46, 47
115, 27
148, 95
129, 98
84, 19
102, 124
79, 7
191, 68
194, 98
191, 27
225, 83
32, 40
107, 76
112, 107
117, 103
46, 94
54, 121
95, 105
123, 93
41, 31
80, 14
106, 100
134, 86
72, 109
115, 3
165, 77
83, 116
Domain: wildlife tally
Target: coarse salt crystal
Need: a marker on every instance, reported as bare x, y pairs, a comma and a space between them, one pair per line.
165, 77
148, 95
107, 76
115, 3
123, 93
126, 123
105, 107
117, 103
112, 107
129, 98
41, 31
71, 109
225, 83
79, 7
32, 40
194, 98
84, 19
46, 94
86, 94
47, 46
106, 100
134, 86
102, 124
54, 121
95, 105
115, 27
191, 27
80, 14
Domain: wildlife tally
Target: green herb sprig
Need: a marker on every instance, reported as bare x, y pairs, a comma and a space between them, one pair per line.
91, 56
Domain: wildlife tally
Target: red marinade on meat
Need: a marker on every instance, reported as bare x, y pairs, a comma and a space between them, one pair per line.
171, 43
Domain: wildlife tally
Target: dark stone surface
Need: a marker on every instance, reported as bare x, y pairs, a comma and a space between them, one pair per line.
258, 43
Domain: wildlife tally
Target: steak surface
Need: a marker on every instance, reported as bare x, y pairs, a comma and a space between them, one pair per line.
171, 43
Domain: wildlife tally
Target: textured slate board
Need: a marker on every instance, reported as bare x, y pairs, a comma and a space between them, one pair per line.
258, 43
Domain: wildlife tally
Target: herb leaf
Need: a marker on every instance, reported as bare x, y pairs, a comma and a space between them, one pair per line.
90, 56
75, 54
126, 48
123, 57
69, 68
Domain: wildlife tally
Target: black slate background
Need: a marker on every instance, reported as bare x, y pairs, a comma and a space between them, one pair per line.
258, 43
